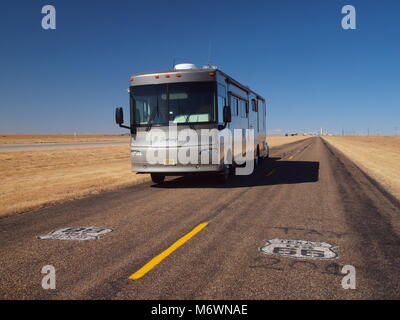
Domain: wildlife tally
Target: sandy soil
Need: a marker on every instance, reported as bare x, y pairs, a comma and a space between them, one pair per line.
38, 178
53, 138
378, 156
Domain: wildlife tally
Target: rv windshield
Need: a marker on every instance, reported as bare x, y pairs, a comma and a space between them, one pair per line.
185, 102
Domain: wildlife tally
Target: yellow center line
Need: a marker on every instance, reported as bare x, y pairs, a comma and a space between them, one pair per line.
156, 260
290, 158
271, 173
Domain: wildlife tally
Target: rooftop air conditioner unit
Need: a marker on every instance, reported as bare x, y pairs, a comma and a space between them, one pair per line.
185, 66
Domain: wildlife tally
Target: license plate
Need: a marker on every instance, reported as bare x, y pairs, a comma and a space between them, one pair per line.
169, 162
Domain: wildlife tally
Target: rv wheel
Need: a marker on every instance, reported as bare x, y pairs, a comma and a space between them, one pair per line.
157, 177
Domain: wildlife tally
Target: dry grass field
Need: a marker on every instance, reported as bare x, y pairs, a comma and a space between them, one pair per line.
54, 138
33, 179
277, 140
37, 178
378, 156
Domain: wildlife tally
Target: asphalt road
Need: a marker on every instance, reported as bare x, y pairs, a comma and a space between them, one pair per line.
307, 191
51, 145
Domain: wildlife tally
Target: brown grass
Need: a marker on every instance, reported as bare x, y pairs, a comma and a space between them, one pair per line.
378, 156
277, 140
34, 179
42, 138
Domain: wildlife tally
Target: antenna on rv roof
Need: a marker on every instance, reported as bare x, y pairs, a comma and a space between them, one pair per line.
173, 63
209, 53
209, 65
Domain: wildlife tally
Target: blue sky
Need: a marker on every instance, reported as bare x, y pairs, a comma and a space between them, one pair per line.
295, 53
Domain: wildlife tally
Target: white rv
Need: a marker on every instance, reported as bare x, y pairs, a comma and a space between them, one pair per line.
196, 99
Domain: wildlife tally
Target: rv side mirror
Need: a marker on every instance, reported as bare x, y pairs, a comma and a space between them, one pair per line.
119, 115
227, 116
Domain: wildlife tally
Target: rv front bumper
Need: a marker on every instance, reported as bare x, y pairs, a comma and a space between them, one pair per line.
170, 164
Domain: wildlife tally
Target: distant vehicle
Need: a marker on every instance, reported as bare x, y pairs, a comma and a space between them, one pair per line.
193, 98
286, 134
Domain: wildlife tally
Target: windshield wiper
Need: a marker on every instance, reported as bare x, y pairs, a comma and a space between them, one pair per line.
191, 125
149, 125
151, 121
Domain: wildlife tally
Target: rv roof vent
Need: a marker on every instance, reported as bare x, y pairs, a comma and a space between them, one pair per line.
184, 66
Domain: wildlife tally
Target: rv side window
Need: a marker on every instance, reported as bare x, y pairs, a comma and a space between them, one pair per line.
254, 105
234, 106
242, 105
261, 115
265, 116
221, 102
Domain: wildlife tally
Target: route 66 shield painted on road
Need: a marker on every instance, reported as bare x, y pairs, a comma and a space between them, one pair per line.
301, 249
77, 233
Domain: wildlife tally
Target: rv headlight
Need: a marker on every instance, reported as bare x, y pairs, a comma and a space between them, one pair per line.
136, 153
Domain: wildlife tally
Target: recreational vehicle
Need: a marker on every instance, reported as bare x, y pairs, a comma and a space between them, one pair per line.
190, 98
